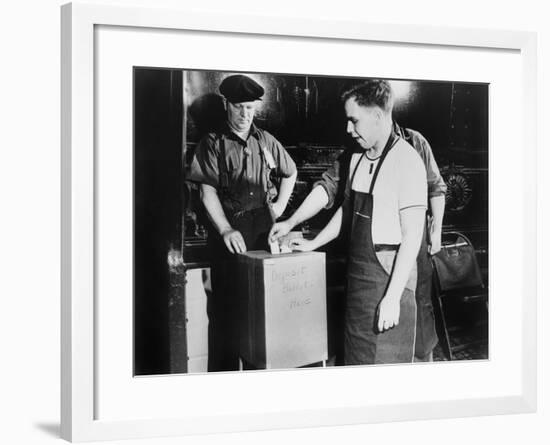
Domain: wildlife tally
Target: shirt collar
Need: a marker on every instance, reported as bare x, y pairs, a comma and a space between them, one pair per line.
254, 131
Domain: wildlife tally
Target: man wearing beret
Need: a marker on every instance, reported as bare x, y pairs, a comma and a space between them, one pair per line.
235, 168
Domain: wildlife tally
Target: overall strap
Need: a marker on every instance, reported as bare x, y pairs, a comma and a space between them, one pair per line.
222, 166
389, 145
363, 155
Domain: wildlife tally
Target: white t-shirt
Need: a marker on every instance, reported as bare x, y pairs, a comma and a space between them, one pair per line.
401, 183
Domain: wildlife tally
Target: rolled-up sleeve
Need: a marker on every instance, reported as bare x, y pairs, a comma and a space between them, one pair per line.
330, 181
204, 166
436, 184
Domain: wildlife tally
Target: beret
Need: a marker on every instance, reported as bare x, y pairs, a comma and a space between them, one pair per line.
239, 88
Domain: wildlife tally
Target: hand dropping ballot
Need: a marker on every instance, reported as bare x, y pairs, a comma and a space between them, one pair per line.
282, 245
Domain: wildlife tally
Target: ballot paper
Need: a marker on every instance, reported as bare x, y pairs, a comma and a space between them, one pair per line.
274, 247
282, 245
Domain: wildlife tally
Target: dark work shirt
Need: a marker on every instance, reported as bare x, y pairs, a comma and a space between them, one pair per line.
248, 167
339, 170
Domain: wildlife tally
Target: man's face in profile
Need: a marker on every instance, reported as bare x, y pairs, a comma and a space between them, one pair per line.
363, 123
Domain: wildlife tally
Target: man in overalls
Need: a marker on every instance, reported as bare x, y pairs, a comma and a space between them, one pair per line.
328, 192
384, 214
235, 168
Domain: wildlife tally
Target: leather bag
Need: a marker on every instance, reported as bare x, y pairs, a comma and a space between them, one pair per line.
456, 265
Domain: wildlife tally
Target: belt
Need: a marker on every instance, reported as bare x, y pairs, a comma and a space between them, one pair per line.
386, 247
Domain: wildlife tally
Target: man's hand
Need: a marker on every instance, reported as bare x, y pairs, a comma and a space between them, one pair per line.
278, 230
388, 313
435, 239
302, 245
234, 241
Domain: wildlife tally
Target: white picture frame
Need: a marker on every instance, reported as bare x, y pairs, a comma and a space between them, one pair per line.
79, 418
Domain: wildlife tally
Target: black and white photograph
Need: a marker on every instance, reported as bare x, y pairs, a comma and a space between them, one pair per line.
295, 221
274, 222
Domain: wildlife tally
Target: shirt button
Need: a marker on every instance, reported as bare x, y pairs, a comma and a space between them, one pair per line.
251, 193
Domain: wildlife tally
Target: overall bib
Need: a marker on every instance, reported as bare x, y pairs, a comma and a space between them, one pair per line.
369, 270
223, 303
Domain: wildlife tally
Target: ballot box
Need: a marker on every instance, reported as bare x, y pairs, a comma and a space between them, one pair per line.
283, 313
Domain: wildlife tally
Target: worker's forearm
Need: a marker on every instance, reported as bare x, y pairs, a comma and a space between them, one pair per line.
412, 223
437, 207
214, 209
313, 204
331, 230
285, 190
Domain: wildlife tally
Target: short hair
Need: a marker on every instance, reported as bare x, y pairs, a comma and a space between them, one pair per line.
373, 92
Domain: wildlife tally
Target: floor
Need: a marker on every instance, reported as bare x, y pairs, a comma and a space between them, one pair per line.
478, 351
470, 339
